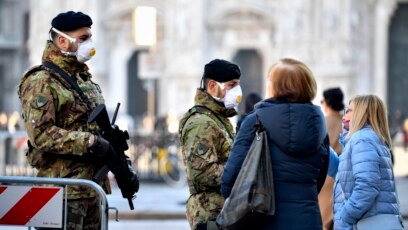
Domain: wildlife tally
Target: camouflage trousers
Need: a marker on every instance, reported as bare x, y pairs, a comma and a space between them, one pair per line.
203, 207
83, 214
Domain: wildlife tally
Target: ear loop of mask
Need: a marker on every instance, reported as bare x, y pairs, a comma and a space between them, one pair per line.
222, 85
73, 40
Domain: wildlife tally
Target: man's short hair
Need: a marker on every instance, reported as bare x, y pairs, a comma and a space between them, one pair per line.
204, 82
53, 35
333, 97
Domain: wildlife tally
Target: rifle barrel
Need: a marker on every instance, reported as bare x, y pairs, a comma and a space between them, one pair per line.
132, 207
115, 114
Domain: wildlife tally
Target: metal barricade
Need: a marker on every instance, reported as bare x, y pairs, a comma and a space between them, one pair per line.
65, 181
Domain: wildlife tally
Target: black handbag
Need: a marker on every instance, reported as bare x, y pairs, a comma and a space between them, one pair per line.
252, 198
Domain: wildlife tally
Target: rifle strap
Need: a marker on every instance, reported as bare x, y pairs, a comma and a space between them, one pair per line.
71, 80
102, 172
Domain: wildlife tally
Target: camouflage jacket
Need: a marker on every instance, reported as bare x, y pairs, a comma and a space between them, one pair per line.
56, 121
206, 137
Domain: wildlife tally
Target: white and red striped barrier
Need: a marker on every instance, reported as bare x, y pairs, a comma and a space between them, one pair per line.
31, 206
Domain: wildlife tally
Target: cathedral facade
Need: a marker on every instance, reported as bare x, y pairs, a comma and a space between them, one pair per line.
355, 45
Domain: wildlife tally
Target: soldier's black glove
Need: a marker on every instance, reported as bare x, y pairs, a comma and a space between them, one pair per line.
100, 147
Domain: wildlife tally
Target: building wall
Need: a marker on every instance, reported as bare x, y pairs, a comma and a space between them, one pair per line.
343, 41
13, 52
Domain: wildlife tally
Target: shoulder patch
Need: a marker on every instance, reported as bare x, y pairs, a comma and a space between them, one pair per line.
201, 149
41, 101
29, 72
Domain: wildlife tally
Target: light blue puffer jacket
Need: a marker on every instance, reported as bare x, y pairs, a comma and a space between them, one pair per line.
364, 185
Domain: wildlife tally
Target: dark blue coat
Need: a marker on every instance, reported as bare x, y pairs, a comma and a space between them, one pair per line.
296, 134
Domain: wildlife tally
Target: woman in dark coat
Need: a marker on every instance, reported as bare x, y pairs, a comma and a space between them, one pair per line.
298, 142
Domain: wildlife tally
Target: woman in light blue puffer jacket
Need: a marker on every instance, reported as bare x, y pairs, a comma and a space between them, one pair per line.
365, 184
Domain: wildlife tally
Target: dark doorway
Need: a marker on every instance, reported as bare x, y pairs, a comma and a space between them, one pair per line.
251, 64
398, 64
136, 92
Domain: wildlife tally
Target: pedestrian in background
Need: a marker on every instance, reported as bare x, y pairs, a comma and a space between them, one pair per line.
326, 194
365, 185
206, 137
395, 119
405, 132
332, 105
298, 142
250, 101
62, 144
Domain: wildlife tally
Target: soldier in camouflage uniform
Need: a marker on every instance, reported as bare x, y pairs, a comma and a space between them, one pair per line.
62, 144
206, 137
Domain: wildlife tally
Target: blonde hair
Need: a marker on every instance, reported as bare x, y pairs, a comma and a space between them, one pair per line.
370, 110
292, 80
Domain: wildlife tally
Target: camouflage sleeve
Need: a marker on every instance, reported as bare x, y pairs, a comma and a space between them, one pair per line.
38, 95
206, 152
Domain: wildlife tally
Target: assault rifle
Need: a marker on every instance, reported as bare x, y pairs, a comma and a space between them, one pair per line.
117, 161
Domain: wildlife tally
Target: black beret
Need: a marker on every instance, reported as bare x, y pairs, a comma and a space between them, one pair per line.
71, 20
221, 70
333, 97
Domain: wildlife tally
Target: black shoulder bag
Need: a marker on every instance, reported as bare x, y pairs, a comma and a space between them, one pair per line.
252, 199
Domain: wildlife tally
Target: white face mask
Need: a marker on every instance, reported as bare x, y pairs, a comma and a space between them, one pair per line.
85, 51
232, 97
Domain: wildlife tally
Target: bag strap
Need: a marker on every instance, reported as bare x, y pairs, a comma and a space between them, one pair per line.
258, 124
71, 80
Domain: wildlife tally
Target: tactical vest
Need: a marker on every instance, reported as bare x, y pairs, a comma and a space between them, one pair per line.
34, 156
203, 110
211, 114
58, 76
